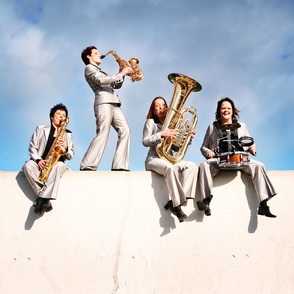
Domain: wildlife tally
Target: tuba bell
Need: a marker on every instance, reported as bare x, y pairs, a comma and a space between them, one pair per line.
173, 149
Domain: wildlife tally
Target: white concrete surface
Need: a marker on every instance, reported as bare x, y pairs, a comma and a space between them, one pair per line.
109, 233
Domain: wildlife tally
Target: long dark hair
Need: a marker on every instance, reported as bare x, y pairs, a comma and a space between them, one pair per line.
235, 115
151, 113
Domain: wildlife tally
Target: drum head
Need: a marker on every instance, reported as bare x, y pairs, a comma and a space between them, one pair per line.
246, 141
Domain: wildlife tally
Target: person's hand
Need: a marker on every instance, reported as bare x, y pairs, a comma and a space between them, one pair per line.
169, 133
210, 154
62, 143
127, 71
42, 164
193, 133
252, 150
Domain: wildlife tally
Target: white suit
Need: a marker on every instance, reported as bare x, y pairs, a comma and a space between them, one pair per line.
181, 178
38, 142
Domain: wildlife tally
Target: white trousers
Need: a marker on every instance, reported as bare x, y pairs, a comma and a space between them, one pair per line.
50, 188
108, 115
262, 184
180, 178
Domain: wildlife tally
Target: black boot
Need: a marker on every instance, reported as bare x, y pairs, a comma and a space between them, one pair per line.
204, 205
180, 214
41, 205
265, 210
169, 205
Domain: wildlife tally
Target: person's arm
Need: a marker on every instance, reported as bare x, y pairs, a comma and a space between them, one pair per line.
252, 148
35, 145
206, 148
70, 145
150, 135
95, 76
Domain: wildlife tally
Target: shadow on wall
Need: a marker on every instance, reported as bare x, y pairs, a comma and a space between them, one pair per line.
251, 196
30, 194
167, 220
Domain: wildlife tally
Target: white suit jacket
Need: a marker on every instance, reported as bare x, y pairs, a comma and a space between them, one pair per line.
151, 138
39, 140
211, 138
103, 84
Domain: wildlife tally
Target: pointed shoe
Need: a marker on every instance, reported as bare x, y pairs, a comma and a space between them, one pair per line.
265, 211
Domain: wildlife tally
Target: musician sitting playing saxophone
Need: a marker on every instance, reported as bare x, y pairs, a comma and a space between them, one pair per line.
41, 144
181, 178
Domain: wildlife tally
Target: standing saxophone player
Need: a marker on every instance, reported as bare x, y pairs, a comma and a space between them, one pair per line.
107, 112
40, 145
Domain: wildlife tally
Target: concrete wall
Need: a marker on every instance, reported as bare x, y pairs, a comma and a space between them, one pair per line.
108, 233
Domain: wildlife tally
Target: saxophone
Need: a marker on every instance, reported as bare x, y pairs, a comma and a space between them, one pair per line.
137, 75
173, 149
54, 153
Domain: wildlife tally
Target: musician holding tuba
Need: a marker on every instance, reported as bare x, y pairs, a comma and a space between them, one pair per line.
180, 177
50, 147
107, 112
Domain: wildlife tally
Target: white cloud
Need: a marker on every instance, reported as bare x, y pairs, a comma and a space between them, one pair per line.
243, 49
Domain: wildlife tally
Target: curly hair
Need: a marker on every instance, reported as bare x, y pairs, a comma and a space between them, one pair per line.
59, 106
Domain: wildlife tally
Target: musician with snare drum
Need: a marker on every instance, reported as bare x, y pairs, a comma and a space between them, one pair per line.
227, 145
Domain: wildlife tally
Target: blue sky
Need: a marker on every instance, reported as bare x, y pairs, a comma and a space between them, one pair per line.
240, 49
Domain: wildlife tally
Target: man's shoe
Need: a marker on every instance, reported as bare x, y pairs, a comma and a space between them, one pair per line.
42, 205
120, 169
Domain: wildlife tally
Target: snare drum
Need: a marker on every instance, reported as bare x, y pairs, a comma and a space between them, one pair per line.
234, 160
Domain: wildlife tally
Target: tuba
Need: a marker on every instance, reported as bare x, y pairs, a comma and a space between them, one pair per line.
54, 153
137, 75
173, 149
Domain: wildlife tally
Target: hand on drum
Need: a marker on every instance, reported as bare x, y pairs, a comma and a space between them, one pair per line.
252, 150
210, 154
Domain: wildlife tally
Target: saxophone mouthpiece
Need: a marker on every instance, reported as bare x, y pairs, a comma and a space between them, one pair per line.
102, 56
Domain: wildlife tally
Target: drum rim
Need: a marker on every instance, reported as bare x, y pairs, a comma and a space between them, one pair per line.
246, 138
232, 153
